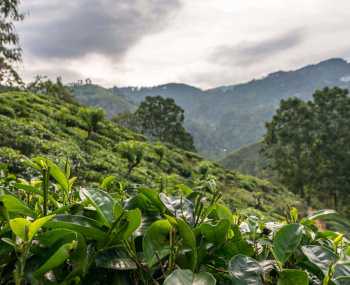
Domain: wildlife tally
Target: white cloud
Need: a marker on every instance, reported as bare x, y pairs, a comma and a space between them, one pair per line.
182, 47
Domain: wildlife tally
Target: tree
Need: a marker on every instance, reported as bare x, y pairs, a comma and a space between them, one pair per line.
308, 143
92, 118
287, 143
160, 119
132, 152
331, 147
10, 52
43, 85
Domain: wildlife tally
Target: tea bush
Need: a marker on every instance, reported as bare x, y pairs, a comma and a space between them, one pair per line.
55, 232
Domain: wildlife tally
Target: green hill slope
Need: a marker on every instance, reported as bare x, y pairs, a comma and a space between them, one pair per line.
97, 96
32, 124
248, 160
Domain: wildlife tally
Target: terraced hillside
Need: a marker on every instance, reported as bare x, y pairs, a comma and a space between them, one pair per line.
37, 124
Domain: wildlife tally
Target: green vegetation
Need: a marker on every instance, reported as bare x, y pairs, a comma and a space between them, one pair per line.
249, 160
53, 232
10, 53
96, 96
160, 119
44, 124
308, 146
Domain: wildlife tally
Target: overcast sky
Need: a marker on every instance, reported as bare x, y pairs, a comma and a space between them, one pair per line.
205, 43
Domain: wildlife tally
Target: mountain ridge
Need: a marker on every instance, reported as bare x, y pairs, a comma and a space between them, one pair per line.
226, 118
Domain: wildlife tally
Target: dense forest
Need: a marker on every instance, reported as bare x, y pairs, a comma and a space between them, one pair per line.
115, 186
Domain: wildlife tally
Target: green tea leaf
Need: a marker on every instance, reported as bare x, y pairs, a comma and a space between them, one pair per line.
245, 270
215, 233
58, 258
155, 243
37, 224
20, 227
293, 277
103, 203
86, 226
286, 241
320, 256
59, 176
187, 277
14, 205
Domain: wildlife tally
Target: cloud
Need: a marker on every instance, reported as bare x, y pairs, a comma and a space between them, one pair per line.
248, 53
83, 27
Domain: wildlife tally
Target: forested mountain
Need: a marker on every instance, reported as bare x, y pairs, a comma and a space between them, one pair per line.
226, 118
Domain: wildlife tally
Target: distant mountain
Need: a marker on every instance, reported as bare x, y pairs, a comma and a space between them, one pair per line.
228, 117
184, 95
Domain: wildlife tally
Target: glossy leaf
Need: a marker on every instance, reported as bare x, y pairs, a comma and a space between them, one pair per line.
14, 205
58, 258
224, 213
20, 227
103, 203
59, 176
133, 220
293, 277
156, 242
320, 256
187, 277
215, 233
341, 274
37, 224
189, 240
245, 270
286, 241
115, 258
87, 227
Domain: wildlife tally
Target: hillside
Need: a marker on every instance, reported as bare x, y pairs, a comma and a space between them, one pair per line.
98, 96
226, 118
32, 124
247, 160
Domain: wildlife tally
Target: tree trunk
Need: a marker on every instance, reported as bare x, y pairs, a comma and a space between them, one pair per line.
335, 199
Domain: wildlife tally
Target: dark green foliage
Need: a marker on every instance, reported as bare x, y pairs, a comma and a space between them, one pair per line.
132, 152
160, 119
42, 85
52, 229
92, 118
10, 53
307, 143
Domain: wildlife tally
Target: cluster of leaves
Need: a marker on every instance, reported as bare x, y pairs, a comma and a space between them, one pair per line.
10, 53
53, 232
307, 143
160, 119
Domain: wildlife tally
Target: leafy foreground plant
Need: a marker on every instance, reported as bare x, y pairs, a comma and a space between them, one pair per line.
54, 233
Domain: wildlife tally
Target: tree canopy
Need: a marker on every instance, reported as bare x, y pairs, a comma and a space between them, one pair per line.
10, 52
308, 143
160, 119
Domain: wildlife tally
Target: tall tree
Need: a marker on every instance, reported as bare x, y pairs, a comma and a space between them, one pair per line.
287, 143
308, 143
160, 119
10, 52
